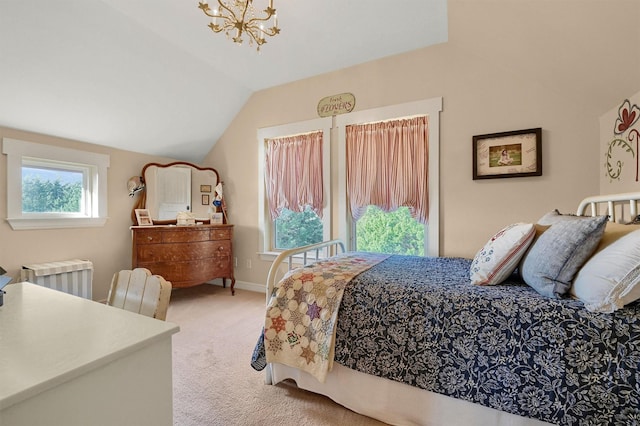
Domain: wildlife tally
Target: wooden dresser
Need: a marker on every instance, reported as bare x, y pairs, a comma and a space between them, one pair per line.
185, 255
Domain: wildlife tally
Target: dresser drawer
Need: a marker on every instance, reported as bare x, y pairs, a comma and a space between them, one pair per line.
199, 271
181, 252
185, 235
222, 266
221, 248
148, 237
221, 234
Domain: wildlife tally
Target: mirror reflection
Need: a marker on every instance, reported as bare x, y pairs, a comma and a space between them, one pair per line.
178, 187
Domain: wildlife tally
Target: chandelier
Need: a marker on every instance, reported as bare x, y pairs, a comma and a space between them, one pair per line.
240, 16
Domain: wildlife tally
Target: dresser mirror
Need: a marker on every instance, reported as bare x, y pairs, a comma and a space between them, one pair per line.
177, 187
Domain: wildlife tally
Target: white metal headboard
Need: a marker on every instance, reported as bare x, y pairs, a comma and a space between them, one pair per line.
612, 201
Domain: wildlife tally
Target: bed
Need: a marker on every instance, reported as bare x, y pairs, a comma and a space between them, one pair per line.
484, 341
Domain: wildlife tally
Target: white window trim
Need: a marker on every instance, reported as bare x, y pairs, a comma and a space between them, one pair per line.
16, 150
322, 124
430, 107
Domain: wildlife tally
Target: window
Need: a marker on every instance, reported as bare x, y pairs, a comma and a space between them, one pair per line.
294, 188
53, 187
347, 229
387, 168
303, 220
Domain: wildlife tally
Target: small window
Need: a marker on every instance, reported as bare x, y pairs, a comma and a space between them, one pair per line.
52, 187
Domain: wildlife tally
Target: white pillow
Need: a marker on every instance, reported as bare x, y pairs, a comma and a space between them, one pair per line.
500, 256
611, 278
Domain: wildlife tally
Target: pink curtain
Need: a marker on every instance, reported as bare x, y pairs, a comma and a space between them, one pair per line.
387, 166
293, 173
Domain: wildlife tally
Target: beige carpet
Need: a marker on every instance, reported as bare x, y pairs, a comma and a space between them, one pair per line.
213, 382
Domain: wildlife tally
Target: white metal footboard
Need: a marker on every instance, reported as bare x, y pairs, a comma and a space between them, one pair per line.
302, 256
612, 201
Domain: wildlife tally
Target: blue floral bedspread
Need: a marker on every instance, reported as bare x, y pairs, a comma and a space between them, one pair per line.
419, 321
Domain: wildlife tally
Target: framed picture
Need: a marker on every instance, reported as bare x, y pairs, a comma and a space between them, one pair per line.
508, 154
217, 218
205, 188
143, 217
205, 199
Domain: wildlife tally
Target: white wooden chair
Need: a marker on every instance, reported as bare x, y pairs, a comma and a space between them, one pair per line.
141, 292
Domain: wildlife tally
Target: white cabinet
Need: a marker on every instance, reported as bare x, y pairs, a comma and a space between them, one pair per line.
70, 361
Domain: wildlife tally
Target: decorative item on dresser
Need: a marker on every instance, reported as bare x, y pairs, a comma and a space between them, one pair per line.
185, 255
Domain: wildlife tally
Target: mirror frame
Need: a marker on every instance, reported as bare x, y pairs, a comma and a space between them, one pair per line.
142, 201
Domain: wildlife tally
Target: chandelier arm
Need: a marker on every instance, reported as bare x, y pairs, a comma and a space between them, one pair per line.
269, 15
231, 12
258, 40
253, 27
235, 17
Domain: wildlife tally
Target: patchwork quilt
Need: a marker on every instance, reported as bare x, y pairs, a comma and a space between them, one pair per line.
301, 317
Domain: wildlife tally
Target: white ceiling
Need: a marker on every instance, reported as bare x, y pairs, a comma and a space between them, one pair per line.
149, 76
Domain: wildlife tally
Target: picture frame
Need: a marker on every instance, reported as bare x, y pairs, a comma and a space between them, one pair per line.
143, 217
205, 188
217, 218
516, 153
205, 199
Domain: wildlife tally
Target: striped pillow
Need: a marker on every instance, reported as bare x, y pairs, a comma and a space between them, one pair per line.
500, 256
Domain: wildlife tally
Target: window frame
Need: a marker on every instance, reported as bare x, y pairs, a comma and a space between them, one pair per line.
95, 164
266, 249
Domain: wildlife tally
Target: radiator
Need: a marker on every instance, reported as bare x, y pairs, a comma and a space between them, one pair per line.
70, 276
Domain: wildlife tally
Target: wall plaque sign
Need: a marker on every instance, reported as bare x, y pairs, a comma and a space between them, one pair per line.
336, 104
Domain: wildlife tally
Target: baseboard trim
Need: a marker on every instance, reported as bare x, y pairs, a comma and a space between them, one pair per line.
242, 285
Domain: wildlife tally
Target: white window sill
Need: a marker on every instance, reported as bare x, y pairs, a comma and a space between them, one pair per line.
19, 224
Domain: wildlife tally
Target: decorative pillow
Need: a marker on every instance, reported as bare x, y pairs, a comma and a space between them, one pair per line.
555, 216
611, 278
539, 230
555, 258
500, 256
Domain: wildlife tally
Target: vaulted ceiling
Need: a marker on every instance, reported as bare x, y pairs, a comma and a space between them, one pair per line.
149, 76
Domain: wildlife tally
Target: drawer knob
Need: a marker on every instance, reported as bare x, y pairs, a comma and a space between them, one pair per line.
149, 238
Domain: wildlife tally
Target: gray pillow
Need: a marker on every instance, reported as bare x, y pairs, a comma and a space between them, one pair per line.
557, 255
555, 216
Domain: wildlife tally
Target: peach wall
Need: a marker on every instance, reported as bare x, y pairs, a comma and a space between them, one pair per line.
108, 247
503, 68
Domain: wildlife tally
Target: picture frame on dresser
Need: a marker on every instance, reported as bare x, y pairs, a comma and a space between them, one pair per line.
143, 217
217, 218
